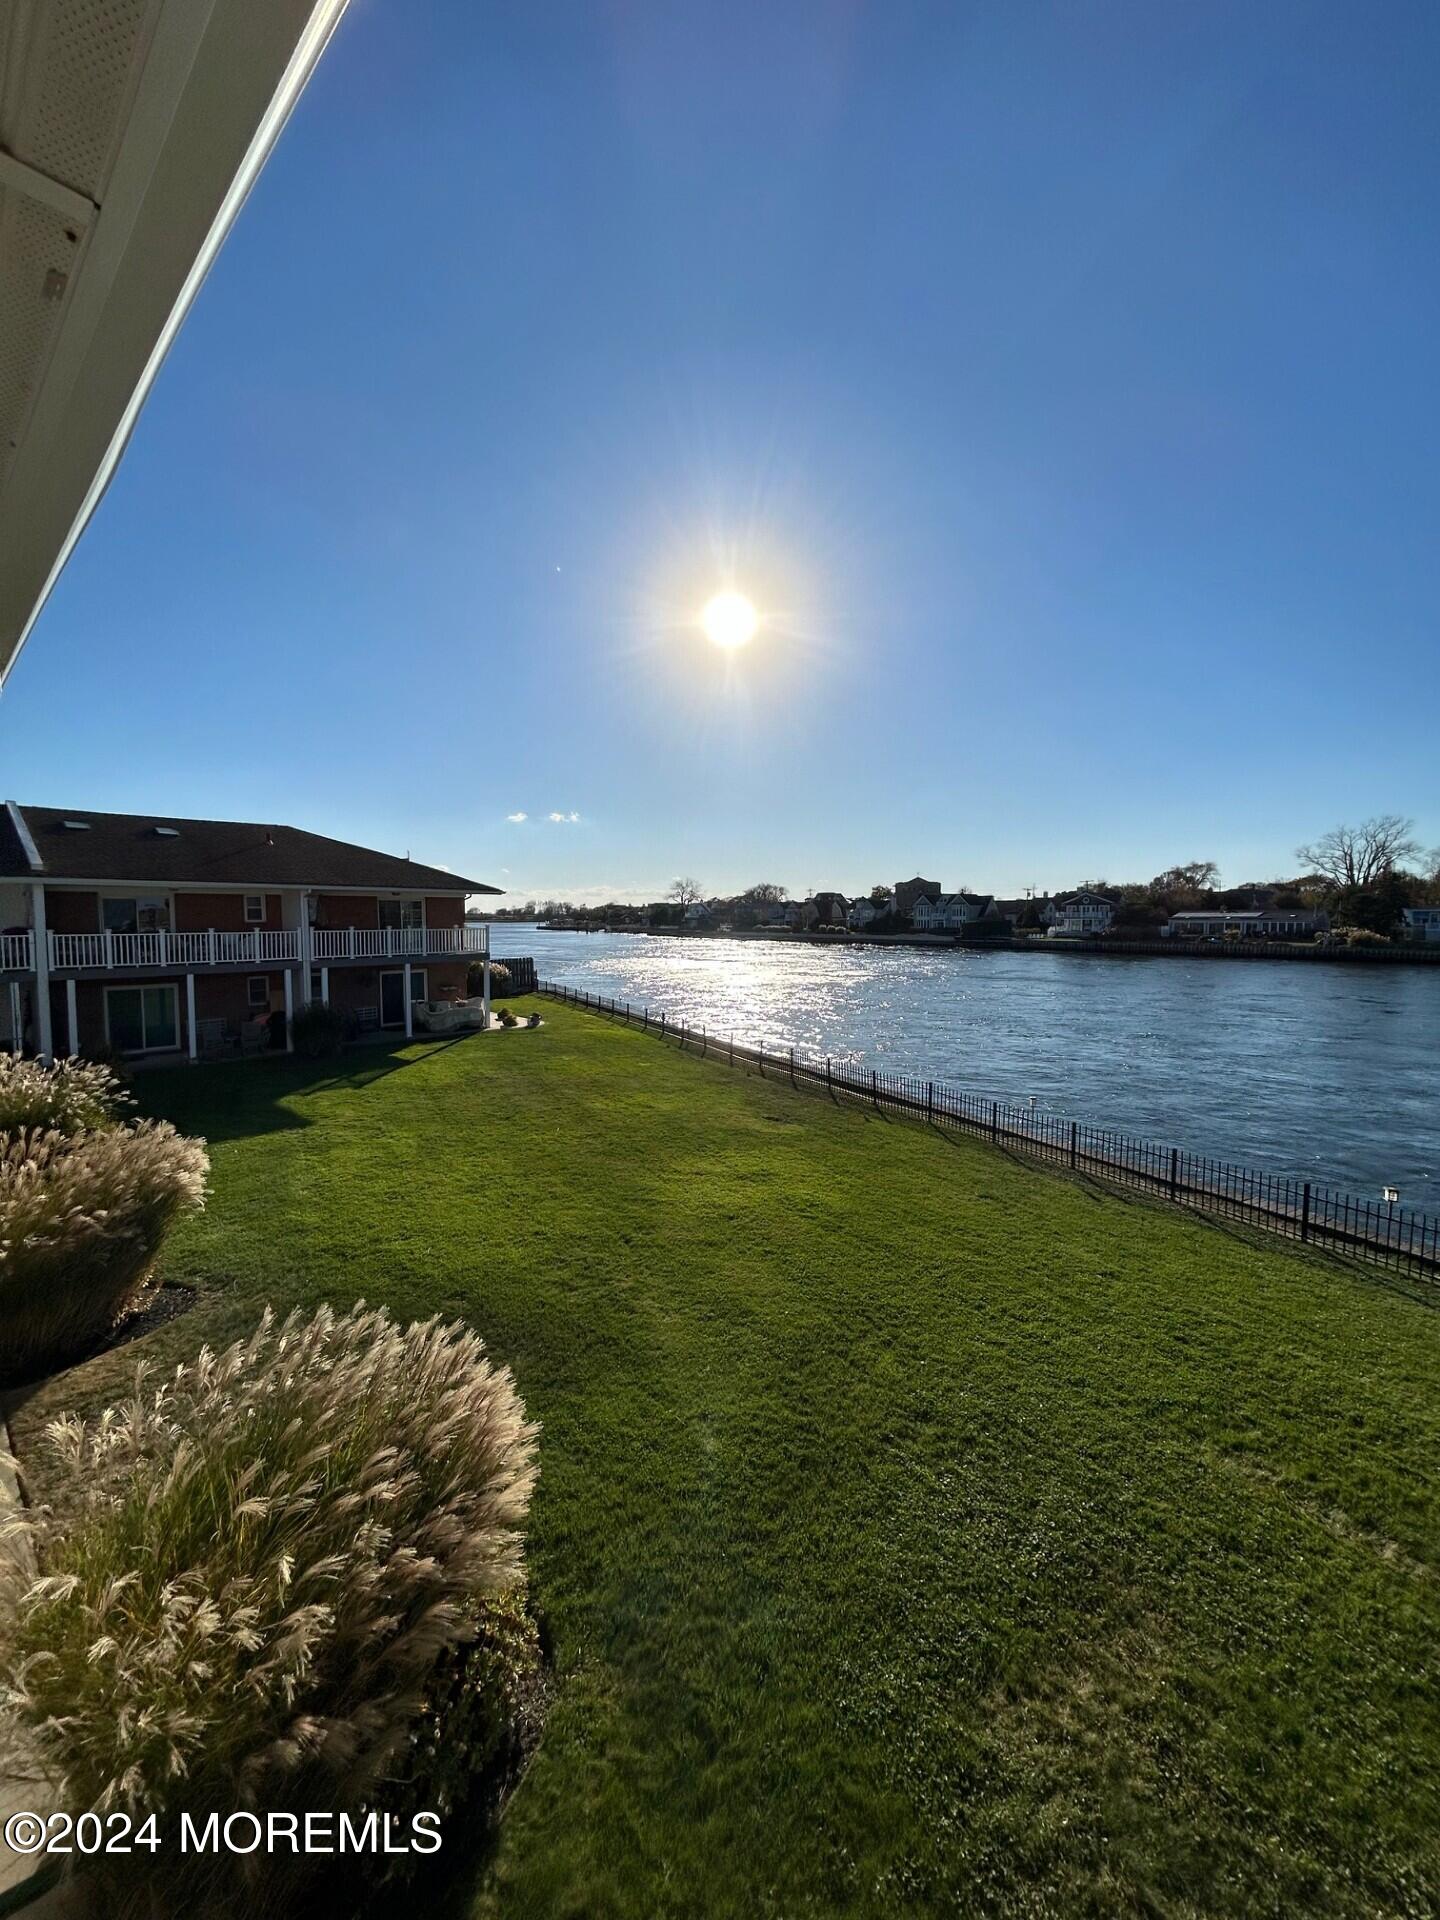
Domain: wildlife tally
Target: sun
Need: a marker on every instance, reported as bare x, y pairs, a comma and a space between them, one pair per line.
729, 620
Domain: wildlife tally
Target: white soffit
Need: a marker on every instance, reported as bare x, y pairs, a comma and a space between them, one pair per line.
130, 133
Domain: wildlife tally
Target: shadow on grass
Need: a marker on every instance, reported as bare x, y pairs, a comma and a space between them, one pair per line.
238, 1100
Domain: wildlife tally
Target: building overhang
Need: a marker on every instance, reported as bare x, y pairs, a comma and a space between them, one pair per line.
130, 135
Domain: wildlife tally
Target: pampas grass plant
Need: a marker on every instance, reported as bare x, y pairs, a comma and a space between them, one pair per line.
82, 1217
261, 1577
69, 1097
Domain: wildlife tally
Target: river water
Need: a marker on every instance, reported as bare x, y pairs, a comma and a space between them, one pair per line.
1331, 1073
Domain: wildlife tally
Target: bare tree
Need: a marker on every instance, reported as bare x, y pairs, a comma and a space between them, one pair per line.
1359, 856
1197, 876
765, 893
684, 892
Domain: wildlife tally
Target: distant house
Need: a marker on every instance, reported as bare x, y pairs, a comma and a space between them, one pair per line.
1082, 912
800, 914
1422, 923
907, 892
697, 914
1265, 923
831, 909
863, 912
949, 912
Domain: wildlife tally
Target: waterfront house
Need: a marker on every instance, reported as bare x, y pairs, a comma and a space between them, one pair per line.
831, 908
1421, 923
1263, 923
949, 912
800, 915
147, 934
907, 892
864, 912
1082, 912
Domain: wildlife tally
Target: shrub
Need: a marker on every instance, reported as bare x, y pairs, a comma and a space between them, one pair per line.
278, 1581
65, 1098
81, 1220
500, 983
506, 1017
318, 1030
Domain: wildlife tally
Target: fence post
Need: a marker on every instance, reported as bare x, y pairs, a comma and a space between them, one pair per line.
1305, 1212
929, 1099
1174, 1171
704, 1042
874, 1089
1073, 1130
994, 1120
829, 1083
792, 1066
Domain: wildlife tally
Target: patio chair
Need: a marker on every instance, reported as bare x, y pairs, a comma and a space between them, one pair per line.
254, 1037
367, 1019
211, 1037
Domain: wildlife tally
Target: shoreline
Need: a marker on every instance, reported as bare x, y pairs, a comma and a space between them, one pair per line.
1111, 949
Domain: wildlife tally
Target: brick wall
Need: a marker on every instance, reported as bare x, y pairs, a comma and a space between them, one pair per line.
195, 912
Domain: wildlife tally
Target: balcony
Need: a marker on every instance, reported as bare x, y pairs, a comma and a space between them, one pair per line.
396, 943
252, 948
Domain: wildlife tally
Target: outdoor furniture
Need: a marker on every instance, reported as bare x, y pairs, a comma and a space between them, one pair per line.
211, 1037
367, 1019
255, 1037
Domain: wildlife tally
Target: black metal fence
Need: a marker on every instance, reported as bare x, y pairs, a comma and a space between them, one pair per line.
1377, 1230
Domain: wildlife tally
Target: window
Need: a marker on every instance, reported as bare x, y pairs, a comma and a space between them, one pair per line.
148, 913
142, 1019
317, 990
254, 909
257, 989
402, 913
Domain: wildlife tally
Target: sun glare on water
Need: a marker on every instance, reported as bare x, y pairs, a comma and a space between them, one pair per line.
729, 620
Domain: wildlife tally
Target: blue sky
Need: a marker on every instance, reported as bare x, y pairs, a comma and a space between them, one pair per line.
1060, 381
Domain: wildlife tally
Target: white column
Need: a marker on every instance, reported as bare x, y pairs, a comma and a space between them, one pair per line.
43, 1039
306, 945
325, 985
190, 1013
409, 1018
289, 1009
16, 1036
72, 1017
485, 987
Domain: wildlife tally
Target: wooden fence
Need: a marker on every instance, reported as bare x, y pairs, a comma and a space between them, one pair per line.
1387, 1233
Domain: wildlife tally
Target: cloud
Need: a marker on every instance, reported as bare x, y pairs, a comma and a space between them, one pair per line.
516, 818
565, 819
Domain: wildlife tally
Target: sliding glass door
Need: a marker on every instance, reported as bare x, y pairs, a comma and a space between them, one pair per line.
142, 1019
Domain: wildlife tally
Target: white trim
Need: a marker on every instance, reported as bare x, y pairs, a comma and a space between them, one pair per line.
289, 1010
72, 1017
78, 208
43, 1038
142, 987
259, 919
190, 1028
372, 892
308, 49
24, 836
406, 975
250, 1001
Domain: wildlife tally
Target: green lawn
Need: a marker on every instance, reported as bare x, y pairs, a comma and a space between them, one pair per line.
915, 1529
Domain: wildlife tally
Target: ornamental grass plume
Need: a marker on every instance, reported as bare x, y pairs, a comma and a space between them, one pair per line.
258, 1577
69, 1097
82, 1217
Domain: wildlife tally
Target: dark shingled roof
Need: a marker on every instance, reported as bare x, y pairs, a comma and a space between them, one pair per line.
126, 846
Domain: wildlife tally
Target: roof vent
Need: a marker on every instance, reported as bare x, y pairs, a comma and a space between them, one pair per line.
168, 833
76, 826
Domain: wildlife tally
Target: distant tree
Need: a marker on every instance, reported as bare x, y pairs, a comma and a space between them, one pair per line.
1187, 881
879, 894
684, 892
764, 893
1358, 856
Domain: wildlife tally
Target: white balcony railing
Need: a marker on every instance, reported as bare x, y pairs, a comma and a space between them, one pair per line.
212, 948
17, 953
115, 952
395, 943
